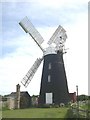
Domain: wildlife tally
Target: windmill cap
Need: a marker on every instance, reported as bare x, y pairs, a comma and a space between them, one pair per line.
50, 50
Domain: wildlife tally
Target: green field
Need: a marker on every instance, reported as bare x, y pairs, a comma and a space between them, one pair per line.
36, 113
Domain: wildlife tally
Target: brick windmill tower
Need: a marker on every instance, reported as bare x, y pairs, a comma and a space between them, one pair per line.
54, 87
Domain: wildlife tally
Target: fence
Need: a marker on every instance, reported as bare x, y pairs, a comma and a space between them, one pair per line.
81, 113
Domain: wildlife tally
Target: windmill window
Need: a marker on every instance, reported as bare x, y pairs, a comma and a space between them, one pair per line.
49, 78
49, 66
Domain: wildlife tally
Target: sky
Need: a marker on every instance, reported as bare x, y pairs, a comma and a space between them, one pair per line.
18, 51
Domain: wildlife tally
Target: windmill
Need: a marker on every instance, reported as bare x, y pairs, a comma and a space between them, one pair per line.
54, 87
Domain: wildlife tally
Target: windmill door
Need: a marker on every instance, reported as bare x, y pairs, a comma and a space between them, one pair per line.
49, 98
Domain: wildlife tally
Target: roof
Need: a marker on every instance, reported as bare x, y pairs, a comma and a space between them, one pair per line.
72, 93
13, 94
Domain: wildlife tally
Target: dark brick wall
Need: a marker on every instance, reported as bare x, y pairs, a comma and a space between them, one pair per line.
58, 85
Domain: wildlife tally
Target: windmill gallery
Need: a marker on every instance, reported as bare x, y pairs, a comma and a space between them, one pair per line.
54, 87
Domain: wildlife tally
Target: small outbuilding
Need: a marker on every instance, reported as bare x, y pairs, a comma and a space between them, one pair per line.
25, 100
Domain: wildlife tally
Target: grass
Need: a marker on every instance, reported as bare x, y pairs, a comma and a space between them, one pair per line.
36, 113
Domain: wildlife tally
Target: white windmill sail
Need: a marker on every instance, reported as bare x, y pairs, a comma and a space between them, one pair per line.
58, 36
29, 28
26, 80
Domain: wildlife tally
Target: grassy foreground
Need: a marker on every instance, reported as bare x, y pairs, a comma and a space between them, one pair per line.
36, 113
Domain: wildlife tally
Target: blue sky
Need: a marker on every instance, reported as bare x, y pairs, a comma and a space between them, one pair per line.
41, 16
19, 51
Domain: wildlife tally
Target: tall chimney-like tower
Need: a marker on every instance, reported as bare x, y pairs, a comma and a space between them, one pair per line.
17, 96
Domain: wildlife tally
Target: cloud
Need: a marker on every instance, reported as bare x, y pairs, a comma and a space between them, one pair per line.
20, 51
77, 54
15, 65
38, 11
